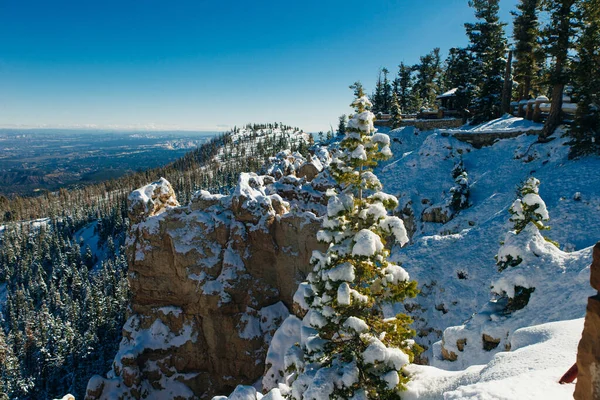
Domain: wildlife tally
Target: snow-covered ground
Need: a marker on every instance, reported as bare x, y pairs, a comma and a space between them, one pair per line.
454, 262
455, 266
505, 124
540, 355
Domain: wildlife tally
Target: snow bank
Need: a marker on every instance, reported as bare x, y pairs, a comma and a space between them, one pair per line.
531, 370
504, 124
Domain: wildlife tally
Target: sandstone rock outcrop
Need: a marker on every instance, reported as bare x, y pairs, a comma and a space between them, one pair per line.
588, 351
211, 282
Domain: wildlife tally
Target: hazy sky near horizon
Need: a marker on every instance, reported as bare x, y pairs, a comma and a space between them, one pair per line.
208, 65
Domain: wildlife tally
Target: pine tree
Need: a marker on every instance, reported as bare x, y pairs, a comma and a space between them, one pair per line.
526, 34
353, 349
459, 74
528, 207
428, 73
528, 214
396, 112
558, 38
586, 77
460, 192
386, 97
357, 88
488, 47
403, 86
342, 125
377, 96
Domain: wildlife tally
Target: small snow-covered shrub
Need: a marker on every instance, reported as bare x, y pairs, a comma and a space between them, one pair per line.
460, 192
528, 213
529, 207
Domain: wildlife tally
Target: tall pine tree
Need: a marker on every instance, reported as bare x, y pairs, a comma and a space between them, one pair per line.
558, 39
353, 352
586, 77
403, 86
428, 74
527, 52
488, 47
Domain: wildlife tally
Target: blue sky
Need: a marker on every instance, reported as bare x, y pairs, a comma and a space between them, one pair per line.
207, 65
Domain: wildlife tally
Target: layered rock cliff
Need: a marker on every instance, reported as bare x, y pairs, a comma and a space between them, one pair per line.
212, 281
588, 351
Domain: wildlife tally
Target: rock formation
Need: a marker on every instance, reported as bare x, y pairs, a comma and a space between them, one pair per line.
211, 281
588, 351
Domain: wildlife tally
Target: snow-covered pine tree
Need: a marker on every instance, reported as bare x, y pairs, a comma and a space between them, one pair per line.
396, 112
528, 213
351, 350
529, 207
460, 192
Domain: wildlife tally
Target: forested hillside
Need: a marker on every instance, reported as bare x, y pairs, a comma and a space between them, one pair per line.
63, 286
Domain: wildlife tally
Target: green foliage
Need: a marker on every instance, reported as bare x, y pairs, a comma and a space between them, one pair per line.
460, 192
402, 87
586, 128
382, 98
427, 82
488, 47
528, 207
520, 299
396, 112
353, 280
527, 49
343, 120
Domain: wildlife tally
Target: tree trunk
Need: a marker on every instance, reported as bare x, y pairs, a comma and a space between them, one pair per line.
559, 79
507, 88
526, 88
555, 116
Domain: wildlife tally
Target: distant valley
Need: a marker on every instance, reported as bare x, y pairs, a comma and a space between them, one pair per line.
47, 159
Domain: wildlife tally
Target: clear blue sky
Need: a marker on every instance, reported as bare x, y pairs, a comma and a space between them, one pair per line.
208, 64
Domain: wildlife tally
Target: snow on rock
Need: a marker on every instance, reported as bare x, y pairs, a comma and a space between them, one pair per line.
263, 323
285, 337
229, 262
150, 200
531, 370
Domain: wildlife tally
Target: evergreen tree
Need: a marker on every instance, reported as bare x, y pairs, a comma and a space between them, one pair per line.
342, 124
528, 208
488, 47
428, 74
460, 192
352, 346
382, 96
586, 77
386, 98
459, 75
402, 87
558, 39
528, 214
396, 112
527, 52
357, 88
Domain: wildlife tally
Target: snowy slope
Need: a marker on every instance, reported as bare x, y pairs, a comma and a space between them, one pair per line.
540, 356
455, 266
454, 262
